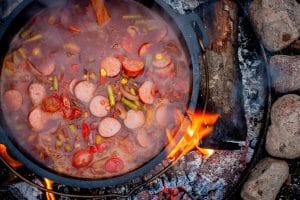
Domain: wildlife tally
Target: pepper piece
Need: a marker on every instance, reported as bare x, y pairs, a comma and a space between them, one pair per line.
85, 130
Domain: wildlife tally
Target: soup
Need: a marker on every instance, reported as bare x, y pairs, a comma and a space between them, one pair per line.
94, 101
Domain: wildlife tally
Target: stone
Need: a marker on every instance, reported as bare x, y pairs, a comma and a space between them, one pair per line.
181, 6
265, 180
285, 73
276, 22
283, 136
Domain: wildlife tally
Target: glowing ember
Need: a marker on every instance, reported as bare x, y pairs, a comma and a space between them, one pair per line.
49, 185
11, 161
194, 130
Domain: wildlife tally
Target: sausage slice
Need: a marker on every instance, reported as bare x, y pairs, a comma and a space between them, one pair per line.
134, 119
99, 106
114, 165
72, 85
144, 49
82, 158
133, 67
13, 99
111, 65
161, 60
47, 68
168, 71
37, 93
165, 115
146, 92
84, 91
143, 138
37, 119
108, 127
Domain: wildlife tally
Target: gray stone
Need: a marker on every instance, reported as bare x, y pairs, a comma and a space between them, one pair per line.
181, 6
265, 180
276, 22
283, 137
285, 72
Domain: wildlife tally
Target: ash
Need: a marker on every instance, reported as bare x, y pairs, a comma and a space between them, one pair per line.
194, 176
252, 68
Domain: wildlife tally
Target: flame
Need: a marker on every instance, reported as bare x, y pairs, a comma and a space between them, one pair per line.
194, 130
11, 161
49, 185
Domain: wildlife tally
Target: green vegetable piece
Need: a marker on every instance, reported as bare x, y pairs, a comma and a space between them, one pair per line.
93, 75
58, 144
26, 32
68, 147
129, 104
72, 129
111, 96
132, 91
34, 38
55, 83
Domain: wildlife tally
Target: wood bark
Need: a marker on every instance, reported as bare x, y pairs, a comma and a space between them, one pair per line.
225, 90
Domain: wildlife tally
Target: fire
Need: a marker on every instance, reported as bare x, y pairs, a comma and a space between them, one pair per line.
49, 185
194, 130
11, 161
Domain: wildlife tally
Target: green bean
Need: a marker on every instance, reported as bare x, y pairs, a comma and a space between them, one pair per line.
132, 91
22, 52
111, 96
55, 83
26, 32
132, 16
34, 38
129, 104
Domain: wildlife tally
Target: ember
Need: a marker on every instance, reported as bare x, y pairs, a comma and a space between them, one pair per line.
49, 186
11, 161
199, 126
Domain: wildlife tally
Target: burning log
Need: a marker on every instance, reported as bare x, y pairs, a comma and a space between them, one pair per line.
102, 14
224, 87
193, 132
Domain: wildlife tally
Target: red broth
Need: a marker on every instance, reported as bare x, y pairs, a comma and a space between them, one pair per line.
94, 101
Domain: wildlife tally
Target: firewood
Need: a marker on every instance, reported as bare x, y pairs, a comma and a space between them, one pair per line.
225, 91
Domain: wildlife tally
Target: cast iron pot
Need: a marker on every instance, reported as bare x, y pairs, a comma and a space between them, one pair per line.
190, 28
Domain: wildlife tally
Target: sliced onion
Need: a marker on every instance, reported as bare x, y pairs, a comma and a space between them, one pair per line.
122, 110
128, 95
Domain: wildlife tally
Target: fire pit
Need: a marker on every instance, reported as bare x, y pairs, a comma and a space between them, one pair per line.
190, 172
